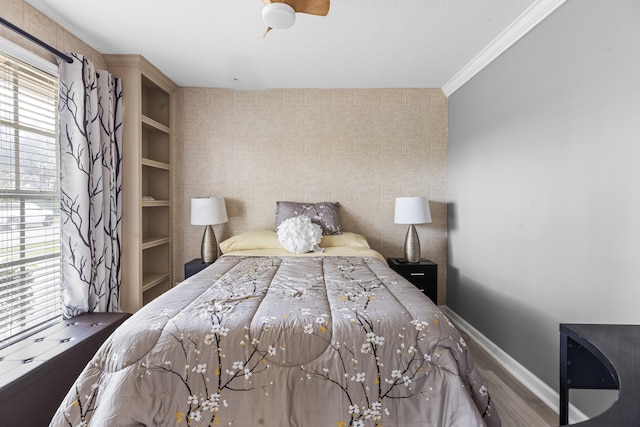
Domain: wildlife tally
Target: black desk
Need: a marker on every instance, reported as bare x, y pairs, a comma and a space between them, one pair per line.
602, 357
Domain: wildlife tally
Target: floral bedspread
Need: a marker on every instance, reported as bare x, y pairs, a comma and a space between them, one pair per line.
291, 341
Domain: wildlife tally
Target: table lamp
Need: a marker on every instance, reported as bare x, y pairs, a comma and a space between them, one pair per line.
412, 210
208, 211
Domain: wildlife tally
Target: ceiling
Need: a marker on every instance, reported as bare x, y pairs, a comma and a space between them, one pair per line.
359, 44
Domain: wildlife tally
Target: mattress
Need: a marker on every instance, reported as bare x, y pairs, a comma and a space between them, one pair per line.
276, 340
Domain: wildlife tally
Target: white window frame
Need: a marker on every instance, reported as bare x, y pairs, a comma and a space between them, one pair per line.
46, 274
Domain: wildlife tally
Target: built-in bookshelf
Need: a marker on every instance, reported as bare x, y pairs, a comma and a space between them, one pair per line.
147, 247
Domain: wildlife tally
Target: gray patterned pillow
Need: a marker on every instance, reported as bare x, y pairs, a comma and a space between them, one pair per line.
325, 214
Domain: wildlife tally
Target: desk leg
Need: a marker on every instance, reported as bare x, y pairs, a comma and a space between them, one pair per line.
564, 386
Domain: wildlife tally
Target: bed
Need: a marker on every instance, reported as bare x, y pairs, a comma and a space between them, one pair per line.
265, 337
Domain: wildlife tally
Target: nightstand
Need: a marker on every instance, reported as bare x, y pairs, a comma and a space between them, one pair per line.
194, 266
423, 274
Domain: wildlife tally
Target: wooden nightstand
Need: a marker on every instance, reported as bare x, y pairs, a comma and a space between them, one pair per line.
194, 266
423, 274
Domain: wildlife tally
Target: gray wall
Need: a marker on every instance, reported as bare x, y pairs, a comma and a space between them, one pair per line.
544, 184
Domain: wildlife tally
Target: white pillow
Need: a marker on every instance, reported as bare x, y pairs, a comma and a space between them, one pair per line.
300, 235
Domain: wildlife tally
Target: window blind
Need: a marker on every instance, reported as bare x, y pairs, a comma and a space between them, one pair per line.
30, 281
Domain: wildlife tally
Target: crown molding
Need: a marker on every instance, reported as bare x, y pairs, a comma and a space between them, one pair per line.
531, 17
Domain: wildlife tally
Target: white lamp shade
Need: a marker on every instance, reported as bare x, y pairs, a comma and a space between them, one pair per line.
208, 210
279, 16
412, 210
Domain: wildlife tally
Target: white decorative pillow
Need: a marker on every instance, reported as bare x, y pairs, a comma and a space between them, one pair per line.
299, 235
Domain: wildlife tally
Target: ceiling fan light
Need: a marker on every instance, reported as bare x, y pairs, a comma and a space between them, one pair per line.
279, 16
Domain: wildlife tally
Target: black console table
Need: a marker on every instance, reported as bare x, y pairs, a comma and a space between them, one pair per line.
601, 357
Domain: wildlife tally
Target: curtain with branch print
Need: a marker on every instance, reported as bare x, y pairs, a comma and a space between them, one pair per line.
90, 187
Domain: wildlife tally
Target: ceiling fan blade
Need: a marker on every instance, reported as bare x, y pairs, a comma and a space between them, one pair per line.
311, 7
275, 18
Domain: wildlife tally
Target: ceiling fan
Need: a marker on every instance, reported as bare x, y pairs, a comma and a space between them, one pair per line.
280, 15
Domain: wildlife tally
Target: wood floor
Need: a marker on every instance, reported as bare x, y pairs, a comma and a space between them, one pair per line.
517, 406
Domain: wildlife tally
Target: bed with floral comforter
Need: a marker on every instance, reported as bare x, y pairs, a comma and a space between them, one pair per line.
326, 341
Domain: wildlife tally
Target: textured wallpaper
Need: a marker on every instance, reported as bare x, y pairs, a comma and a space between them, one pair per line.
360, 147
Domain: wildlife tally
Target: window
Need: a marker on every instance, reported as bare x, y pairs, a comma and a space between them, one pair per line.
29, 199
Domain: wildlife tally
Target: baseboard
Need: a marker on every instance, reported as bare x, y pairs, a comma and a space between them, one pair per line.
545, 393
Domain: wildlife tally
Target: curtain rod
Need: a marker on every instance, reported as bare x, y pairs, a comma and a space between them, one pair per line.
35, 40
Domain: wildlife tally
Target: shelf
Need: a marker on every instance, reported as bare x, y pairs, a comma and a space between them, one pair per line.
148, 121
156, 270
155, 203
156, 182
156, 290
155, 223
151, 280
156, 102
155, 141
150, 242
155, 164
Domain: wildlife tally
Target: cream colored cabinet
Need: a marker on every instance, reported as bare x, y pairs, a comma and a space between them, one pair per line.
147, 251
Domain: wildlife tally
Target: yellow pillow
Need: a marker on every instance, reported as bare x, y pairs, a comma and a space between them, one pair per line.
260, 239
268, 239
346, 239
